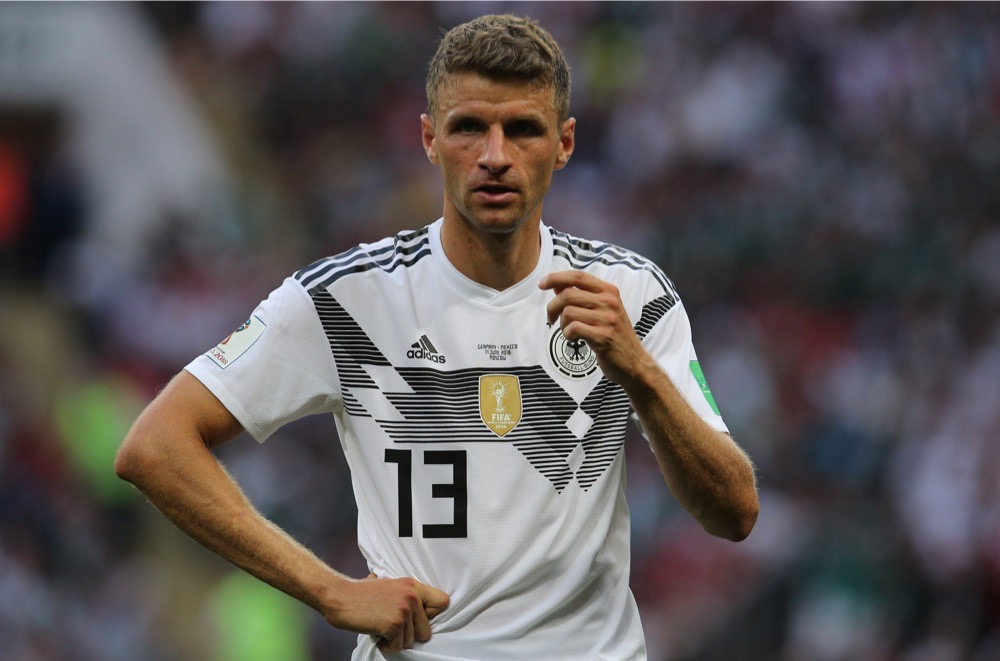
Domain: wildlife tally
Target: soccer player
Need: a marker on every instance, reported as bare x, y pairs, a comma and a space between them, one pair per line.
481, 372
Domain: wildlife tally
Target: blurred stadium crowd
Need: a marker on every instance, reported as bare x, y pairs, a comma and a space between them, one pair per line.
820, 181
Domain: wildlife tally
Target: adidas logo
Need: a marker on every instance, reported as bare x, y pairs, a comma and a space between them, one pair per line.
423, 348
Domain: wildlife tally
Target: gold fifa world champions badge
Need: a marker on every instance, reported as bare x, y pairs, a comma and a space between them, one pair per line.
500, 402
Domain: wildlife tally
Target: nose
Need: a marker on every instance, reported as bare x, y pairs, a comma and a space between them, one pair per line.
495, 157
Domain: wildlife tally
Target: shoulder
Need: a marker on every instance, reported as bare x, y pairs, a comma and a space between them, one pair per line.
387, 255
593, 255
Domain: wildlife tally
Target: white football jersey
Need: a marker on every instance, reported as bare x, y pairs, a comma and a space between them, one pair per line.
485, 450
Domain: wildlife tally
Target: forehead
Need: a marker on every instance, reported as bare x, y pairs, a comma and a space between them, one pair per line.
472, 93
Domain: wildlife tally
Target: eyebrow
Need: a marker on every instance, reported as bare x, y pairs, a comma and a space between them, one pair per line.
528, 118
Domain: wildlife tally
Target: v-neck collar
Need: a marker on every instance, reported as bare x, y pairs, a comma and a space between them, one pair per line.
474, 291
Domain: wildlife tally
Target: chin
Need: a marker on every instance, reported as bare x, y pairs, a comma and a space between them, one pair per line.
495, 224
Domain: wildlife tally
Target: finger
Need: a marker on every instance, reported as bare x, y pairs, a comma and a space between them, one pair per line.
391, 645
573, 297
598, 314
559, 280
407, 642
421, 625
434, 600
583, 323
554, 308
604, 297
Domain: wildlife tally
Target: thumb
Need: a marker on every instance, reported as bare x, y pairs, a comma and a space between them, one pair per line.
434, 600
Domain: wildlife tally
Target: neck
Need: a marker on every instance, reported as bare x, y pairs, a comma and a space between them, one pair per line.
496, 259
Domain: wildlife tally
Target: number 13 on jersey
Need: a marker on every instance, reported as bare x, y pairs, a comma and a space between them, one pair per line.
457, 490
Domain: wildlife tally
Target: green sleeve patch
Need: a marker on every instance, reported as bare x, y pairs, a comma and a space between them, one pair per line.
699, 376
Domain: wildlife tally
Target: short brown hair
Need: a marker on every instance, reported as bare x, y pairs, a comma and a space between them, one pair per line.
501, 46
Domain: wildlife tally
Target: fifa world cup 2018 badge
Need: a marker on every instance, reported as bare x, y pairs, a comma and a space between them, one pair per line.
500, 402
237, 342
574, 358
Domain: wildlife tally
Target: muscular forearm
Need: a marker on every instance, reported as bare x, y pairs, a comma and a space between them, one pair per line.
183, 479
167, 456
706, 470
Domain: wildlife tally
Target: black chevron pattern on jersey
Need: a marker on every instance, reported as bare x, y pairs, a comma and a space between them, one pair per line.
351, 348
404, 249
443, 406
608, 406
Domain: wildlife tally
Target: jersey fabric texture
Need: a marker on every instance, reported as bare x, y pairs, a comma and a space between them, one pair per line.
486, 451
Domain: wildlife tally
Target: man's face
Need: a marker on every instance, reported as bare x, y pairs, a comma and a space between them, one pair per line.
497, 144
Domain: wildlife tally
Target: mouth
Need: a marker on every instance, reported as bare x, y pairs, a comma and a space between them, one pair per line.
494, 193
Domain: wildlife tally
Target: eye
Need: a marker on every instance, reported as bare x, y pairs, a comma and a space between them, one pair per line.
524, 128
466, 125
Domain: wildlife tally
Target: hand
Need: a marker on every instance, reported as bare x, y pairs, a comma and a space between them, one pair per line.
591, 309
396, 612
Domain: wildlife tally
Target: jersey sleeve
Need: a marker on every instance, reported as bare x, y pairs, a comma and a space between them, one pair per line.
276, 367
669, 342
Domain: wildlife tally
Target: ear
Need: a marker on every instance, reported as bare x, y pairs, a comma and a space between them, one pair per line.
567, 140
427, 136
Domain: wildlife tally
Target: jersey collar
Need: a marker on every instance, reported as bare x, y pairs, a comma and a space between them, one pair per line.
472, 290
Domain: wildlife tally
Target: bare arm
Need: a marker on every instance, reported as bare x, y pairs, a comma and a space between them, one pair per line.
708, 473
167, 455
706, 470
